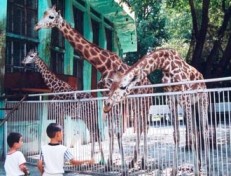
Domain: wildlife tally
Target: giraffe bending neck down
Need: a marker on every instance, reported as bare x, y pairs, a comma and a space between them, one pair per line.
56, 85
104, 61
174, 69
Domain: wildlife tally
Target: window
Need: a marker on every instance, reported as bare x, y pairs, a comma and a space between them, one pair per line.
57, 61
95, 28
20, 35
109, 38
78, 19
78, 61
78, 71
57, 43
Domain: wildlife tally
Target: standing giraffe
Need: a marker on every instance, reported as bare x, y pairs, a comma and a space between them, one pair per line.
174, 69
105, 62
56, 86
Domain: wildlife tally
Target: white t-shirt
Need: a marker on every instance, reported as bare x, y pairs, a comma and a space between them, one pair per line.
54, 157
12, 163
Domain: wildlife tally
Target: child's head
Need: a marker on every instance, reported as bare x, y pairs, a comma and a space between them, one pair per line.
14, 140
53, 129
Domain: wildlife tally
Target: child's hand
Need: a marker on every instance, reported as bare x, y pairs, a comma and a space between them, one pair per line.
24, 169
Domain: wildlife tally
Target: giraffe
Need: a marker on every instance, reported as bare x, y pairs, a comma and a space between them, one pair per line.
106, 62
56, 86
174, 69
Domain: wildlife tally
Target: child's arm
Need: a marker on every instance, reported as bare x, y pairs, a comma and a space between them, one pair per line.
40, 166
79, 162
24, 169
69, 157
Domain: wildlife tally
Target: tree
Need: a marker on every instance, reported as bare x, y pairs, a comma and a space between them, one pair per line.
198, 29
209, 50
151, 32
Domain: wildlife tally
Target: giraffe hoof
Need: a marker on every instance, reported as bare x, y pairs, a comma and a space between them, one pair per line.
143, 166
188, 147
131, 164
108, 168
124, 173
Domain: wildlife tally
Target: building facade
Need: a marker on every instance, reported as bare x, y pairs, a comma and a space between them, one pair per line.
108, 24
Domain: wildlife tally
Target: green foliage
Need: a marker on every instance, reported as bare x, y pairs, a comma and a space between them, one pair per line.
169, 24
150, 21
156, 78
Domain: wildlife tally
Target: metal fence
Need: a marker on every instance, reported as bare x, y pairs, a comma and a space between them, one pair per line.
152, 154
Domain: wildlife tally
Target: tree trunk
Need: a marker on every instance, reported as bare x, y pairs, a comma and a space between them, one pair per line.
200, 35
217, 44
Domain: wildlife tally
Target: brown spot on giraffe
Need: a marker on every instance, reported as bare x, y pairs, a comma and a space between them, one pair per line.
72, 33
92, 51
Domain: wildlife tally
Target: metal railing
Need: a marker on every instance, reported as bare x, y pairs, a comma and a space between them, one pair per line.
32, 118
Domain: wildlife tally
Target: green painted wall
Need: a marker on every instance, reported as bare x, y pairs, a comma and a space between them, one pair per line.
69, 51
44, 34
88, 34
3, 13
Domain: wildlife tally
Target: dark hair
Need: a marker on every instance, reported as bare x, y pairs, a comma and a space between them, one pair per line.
52, 129
12, 138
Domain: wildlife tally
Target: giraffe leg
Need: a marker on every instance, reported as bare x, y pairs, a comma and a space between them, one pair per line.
144, 159
188, 139
119, 138
204, 131
176, 135
102, 161
111, 144
92, 145
136, 151
195, 139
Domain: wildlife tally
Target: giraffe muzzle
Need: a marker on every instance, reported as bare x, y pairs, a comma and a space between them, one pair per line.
37, 27
107, 107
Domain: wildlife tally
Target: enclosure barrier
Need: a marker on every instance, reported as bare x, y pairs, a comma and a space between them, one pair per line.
86, 127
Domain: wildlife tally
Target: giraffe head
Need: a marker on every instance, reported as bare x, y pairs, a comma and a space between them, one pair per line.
30, 57
121, 87
51, 18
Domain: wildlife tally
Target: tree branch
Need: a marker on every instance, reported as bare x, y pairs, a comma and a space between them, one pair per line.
194, 17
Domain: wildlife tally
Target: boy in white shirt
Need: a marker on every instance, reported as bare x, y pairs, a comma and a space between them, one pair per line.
15, 160
54, 154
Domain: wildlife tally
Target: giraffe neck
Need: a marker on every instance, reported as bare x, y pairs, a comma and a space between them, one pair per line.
50, 79
102, 60
160, 59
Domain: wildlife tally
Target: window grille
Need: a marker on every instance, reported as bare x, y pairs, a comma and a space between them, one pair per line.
57, 43
20, 35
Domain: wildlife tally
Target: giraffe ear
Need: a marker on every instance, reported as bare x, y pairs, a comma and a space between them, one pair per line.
54, 7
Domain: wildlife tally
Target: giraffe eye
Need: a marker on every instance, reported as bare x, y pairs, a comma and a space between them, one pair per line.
51, 17
122, 87
133, 79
